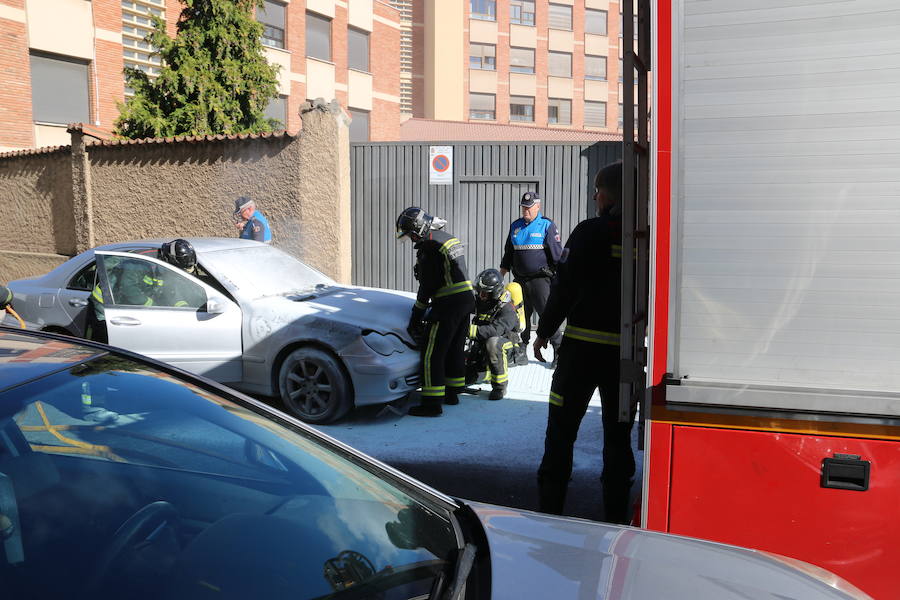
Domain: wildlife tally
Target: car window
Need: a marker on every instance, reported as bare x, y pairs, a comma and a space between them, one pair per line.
136, 282
120, 481
85, 279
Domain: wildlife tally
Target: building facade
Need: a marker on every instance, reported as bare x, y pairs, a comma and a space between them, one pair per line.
62, 61
547, 63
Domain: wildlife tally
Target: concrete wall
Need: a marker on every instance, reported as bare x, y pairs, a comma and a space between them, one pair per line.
37, 197
97, 192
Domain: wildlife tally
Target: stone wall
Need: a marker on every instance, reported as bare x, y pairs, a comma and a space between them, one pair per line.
101, 191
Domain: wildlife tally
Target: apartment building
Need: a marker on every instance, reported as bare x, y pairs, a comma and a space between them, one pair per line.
548, 63
61, 61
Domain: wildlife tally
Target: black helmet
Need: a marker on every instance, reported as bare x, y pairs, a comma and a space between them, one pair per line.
179, 253
490, 283
6, 297
413, 222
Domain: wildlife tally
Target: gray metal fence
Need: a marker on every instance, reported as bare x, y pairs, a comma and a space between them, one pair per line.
488, 180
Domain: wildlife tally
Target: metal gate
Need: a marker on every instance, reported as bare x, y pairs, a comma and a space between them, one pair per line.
488, 180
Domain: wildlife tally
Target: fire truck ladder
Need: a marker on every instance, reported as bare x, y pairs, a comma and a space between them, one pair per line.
635, 205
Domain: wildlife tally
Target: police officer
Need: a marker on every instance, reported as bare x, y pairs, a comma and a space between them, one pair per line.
531, 252
444, 285
493, 331
587, 292
252, 223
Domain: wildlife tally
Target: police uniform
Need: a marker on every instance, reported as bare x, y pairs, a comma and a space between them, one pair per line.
257, 228
531, 253
445, 285
587, 292
494, 330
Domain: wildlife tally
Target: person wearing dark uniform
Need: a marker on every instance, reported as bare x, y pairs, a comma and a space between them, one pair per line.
531, 252
587, 292
132, 287
493, 332
252, 223
180, 253
444, 286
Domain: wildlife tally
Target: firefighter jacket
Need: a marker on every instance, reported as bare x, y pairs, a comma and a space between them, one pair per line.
494, 319
587, 287
532, 249
441, 268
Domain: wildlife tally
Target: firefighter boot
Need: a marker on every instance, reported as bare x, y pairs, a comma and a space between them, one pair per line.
430, 407
451, 398
498, 392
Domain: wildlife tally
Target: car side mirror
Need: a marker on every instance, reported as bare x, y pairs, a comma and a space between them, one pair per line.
215, 306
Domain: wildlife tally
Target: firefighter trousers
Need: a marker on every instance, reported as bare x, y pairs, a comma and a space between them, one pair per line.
494, 359
535, 293
584, 367
444, 359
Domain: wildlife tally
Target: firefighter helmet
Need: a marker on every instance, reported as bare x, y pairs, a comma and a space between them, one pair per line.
489, 283
413, 222
179, 253
6, 297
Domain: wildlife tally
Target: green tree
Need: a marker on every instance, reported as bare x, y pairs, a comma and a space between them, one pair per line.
214, 78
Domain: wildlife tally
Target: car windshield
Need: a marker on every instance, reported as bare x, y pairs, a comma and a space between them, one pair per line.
262, 271
121, 481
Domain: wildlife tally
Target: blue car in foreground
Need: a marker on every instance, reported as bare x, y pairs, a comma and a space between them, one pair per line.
121, 477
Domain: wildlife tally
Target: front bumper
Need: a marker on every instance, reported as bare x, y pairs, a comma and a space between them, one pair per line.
376, 378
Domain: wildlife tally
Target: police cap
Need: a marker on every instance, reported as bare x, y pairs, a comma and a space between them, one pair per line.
529, 199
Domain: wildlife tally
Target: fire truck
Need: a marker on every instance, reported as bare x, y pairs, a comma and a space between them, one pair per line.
761, 334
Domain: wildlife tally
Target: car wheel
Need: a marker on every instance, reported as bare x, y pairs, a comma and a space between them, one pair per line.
313, 386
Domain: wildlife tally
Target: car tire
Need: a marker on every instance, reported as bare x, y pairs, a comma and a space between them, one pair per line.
313, 386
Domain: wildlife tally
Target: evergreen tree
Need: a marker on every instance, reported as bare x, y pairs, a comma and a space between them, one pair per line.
214, 78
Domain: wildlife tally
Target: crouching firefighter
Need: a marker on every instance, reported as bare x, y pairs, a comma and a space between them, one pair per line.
494, 333
444, 287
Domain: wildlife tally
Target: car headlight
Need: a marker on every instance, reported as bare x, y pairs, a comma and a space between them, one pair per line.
383, 344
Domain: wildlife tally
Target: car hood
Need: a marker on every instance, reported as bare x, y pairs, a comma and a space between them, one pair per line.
386, 311
540, 556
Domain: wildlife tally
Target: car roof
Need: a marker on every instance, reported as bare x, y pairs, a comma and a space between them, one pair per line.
200, 244
25, 356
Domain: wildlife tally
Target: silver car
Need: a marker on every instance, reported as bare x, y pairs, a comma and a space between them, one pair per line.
125, 478
253, 317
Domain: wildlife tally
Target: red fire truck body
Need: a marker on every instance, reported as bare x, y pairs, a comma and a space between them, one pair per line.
774, 331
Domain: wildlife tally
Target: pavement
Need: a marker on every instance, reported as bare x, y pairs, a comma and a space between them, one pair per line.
484, 450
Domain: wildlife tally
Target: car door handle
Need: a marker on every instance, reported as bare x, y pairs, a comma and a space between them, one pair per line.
125, 321
78, 302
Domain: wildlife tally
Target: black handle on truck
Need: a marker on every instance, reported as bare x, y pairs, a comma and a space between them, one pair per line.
845, 472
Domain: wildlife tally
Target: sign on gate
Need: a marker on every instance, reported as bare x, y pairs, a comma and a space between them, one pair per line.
440, 170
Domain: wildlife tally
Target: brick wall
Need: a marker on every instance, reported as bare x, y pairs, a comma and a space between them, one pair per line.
296, 42
384, 64
16, 130
108, 64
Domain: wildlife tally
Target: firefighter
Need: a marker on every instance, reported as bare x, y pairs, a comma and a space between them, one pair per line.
179, 253
132, 287
494, 332
444, 287
531, 252
586, 292
180, 293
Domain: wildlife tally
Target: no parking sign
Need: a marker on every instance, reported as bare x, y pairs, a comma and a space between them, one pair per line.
440, 165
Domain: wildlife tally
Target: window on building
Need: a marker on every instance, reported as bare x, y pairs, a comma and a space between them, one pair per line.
595, 114
560, 16
560, 64
59, 90
521, 108
521, 12
482, 56
485, 10
318, 36
595, 22
358, 49
359, 125
559, 111
521, 60
277, 109
271, 16
595, 67
482, 106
